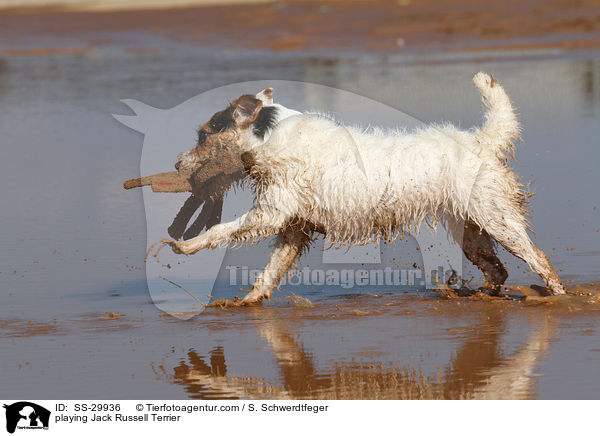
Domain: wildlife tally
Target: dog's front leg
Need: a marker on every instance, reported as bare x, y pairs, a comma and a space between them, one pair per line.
252, 225
289, 245
214, 237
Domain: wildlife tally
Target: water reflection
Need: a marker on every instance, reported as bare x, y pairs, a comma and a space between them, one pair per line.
481, 371
479, 368
590, 83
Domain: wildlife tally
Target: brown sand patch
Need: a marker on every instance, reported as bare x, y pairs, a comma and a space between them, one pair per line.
43, 51
379, 25
580, 298
111, 316
105, 322
22, 328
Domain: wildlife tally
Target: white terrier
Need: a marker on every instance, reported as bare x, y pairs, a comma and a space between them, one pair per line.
314, 175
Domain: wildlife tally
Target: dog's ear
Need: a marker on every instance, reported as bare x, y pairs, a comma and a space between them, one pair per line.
246, 109
266, 96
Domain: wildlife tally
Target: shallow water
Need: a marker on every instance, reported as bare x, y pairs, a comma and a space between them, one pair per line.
74, 242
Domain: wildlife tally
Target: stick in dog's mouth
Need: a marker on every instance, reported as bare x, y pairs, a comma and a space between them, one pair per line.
171, 181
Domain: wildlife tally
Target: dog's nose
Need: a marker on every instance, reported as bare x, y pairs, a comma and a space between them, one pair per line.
177, 165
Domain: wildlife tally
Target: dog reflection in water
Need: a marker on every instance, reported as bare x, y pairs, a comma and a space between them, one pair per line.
478, 370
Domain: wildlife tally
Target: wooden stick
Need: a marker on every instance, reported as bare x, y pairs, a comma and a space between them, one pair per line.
162, 182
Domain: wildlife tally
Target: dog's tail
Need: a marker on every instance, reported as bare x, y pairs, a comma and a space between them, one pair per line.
501, 128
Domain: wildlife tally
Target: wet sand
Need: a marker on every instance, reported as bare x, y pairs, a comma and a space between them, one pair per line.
381, 25
360, 347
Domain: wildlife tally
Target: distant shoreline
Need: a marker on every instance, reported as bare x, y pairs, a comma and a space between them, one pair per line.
398, 26
49, 6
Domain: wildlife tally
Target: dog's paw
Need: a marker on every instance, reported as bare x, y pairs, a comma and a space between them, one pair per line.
484, 80
253, 298
177, 247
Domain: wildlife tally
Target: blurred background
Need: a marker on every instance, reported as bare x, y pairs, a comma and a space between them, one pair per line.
389, 25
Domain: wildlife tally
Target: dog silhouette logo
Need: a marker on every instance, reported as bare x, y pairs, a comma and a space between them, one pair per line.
26, 415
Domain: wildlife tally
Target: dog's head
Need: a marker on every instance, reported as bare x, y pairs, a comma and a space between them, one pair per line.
243, 125
214, 164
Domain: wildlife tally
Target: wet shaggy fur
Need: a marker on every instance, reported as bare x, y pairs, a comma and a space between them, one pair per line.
354, 185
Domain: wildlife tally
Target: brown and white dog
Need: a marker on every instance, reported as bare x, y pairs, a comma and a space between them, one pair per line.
313, 174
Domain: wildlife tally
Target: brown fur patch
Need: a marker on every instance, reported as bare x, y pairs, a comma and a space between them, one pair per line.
248, 107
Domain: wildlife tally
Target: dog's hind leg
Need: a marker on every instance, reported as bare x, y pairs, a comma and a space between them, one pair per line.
478, 247
512, 235
290, 242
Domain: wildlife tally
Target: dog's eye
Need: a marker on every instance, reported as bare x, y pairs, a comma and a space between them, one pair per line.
221, 121
202, 136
